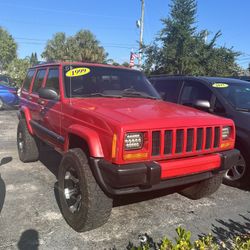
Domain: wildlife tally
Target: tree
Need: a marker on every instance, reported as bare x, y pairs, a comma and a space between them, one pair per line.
56, 48
181, 49
8, 49
33, 59
17, 69
83, 46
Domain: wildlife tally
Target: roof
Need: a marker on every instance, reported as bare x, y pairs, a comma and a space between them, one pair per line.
46, 64
206, 79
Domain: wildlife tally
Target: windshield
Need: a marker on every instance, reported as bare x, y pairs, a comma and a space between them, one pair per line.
85, 81
237, 94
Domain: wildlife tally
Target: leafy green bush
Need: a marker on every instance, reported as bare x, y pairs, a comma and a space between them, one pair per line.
183, 242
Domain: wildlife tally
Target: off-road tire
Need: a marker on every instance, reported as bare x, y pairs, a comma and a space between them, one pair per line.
95, 205
203, 188
29, 151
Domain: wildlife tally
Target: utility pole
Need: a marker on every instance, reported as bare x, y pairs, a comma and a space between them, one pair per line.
141, 32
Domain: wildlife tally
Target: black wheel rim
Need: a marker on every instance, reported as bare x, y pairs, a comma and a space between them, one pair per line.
72, 192
20, 142
236, 172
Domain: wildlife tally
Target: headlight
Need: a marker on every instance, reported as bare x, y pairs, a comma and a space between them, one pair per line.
226, 132
133, 141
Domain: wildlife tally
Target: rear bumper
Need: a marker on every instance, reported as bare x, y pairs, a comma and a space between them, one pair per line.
148, 176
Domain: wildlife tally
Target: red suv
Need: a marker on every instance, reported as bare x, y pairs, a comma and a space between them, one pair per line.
117, 137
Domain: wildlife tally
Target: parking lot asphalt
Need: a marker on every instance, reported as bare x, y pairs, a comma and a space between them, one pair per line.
30, 217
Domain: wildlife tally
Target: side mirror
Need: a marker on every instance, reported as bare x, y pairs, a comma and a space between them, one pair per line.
48, 93
202, 104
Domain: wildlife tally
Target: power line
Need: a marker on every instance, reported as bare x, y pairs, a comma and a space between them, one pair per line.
63, 11
19, 21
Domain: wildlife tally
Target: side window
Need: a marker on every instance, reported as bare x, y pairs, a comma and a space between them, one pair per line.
193, 91
218, 107
53, 80
28, 79
168, 89
38, 80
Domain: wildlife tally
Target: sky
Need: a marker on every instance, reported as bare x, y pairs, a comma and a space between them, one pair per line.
113, 22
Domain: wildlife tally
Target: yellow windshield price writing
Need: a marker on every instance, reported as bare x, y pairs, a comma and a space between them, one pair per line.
220, 85
77, 72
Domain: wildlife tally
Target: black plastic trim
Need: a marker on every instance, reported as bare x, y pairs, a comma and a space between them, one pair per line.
143, 177
48, 132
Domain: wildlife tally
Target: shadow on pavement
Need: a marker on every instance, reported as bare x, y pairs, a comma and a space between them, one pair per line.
2, 193
227, 230
5, 160
29, 240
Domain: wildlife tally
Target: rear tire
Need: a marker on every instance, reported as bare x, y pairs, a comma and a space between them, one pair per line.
83, 203
26, 144
203, 188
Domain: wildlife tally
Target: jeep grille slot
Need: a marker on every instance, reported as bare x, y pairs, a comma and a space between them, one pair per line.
168, 141
216, 137
173, 142
156, 143
208, 138
199, 140
179, 141
190, 140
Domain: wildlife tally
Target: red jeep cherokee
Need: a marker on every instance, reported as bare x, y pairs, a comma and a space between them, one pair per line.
118, 137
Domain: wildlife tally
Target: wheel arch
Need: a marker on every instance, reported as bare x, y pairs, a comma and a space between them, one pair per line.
24, 113
85, 138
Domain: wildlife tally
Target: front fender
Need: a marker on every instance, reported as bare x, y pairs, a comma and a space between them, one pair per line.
90, 136
25, 113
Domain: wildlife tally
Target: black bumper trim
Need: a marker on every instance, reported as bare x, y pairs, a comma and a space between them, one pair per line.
143, 177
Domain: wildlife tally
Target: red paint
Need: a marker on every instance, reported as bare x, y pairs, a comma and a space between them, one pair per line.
97, 119
187, 166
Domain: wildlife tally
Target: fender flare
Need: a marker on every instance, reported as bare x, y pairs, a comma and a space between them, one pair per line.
24, 112
90, 136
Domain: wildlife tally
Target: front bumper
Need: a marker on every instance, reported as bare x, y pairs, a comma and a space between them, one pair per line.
148, 176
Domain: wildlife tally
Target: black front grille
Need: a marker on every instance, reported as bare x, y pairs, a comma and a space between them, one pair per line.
186, 140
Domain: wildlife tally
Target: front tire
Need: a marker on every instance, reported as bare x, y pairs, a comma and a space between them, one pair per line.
26, 144
203, 188
83, 203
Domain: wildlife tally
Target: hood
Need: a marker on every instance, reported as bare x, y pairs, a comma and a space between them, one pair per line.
146, 112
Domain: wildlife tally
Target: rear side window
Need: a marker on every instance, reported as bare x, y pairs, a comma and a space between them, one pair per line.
28, 79
168, 89
38, 80
53, 80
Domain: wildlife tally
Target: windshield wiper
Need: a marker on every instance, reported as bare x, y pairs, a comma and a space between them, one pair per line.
101, 95
131, 93
243, 109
